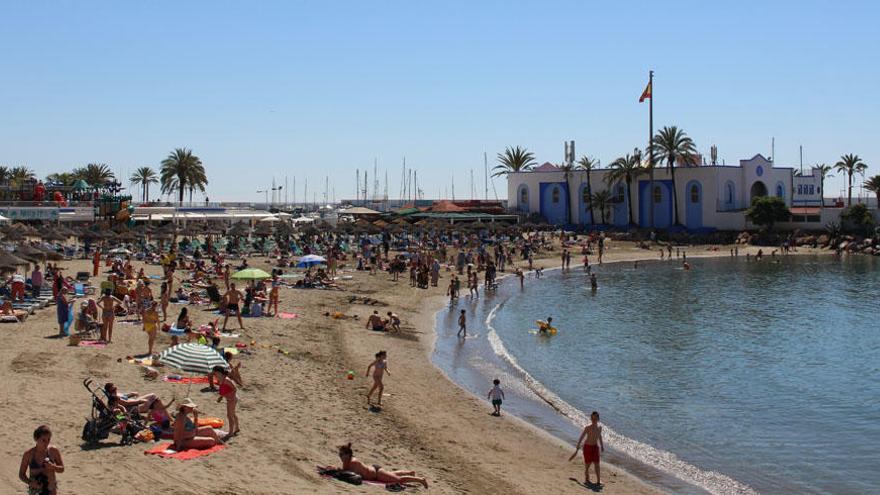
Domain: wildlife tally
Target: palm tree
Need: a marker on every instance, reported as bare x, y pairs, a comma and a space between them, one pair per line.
94, 174
567, 169
144, 176
63, 178
670, 144
182, 170
20, 175
587, 164
626, 168
514, 160
850, 164
601, 201
873, 185
5, 175
824, 172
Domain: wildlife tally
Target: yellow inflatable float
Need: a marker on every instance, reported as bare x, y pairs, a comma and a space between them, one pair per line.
544, 327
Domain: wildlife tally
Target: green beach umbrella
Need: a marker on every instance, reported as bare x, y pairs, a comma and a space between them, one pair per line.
80, 185
251, 274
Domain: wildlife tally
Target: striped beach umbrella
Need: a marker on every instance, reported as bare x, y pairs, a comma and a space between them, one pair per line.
192, 358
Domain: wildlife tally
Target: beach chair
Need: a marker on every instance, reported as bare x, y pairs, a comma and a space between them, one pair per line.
79, 290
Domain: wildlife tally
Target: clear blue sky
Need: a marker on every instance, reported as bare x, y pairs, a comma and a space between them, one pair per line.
309, 89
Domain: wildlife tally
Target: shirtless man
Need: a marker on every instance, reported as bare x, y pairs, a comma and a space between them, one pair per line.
232, 299
592, 446
375, 322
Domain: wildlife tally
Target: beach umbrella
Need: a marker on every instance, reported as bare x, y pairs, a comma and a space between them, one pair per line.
310, 260
192, 358
251, 274
80, 185
27, 252
51, 254
13, 236
11, 261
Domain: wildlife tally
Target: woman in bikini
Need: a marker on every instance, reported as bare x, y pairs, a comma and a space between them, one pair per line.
380, 367
43, 461
187, 435
375, 472
273, 297
108, 303
183, 322
151, 325
164, 298
228, 391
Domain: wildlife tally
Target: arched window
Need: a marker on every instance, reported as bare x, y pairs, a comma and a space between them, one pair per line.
729, 193
621, 192
555, 195
585, 195
658, 196
524, 195
780, 191
695, 194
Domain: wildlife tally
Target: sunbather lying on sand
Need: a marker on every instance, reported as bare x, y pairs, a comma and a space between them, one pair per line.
375, 472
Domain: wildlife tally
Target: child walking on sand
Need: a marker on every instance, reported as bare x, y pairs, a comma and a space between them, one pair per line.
592, 446
462, 324
228, 391
380, 367
496, 395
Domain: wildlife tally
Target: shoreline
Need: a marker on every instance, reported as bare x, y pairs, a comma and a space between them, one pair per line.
634, 468
297, 404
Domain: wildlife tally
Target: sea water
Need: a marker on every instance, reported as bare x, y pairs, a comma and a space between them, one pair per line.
733, 377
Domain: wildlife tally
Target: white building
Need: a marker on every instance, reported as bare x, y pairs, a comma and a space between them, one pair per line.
712, 197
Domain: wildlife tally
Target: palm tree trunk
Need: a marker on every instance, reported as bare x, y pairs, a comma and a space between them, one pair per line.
629, 199
674, 194
849, 189
590, 203
147, 193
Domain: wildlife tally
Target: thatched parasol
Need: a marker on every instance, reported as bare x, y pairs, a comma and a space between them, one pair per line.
9, 261
28, 252
13, 235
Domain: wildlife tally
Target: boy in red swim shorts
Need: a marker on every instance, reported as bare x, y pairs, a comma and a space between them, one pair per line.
592, 446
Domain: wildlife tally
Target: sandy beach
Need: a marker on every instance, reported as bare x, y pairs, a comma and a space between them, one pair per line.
296, 405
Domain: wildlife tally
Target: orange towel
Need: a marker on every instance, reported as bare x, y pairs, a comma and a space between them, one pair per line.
164, 450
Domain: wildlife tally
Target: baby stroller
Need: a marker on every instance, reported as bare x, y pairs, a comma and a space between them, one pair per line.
103, 420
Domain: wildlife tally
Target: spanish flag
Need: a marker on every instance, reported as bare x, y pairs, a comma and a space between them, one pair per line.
646, 93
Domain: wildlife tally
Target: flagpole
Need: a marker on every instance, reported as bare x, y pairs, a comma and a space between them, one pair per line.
651, 147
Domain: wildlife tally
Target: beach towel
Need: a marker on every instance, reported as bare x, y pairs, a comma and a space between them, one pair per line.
228, 335
141, 361
92, 343
288, 316
185, 379
165, 450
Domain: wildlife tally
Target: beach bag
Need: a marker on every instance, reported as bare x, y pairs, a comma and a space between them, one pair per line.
349, 477
346, 476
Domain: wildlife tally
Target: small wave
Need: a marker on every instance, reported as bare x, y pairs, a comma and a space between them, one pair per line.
668, 462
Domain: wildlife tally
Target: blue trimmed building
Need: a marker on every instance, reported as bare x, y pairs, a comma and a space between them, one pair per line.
709, 197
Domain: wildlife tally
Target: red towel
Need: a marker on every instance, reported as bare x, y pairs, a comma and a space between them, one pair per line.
164, 450
288, 316
185, 379
93, 343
